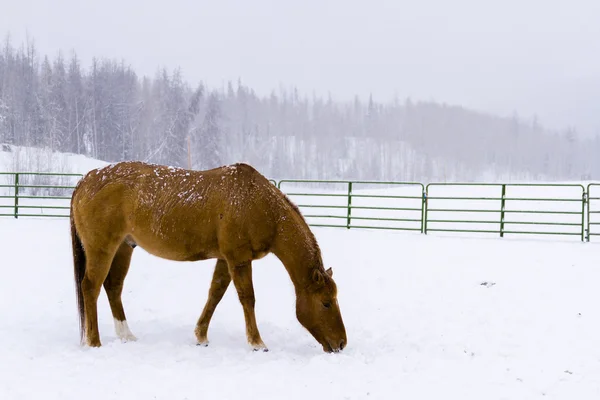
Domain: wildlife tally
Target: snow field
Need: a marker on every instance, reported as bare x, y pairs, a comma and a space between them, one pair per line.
420, 323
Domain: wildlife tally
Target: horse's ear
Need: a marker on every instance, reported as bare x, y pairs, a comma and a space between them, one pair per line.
317, 277
330, 272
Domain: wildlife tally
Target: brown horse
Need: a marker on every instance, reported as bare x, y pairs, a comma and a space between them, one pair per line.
231, 213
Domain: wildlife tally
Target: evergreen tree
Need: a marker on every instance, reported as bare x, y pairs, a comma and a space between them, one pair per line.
210, 150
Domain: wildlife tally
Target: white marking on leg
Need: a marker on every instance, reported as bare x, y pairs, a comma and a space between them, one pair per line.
123, 331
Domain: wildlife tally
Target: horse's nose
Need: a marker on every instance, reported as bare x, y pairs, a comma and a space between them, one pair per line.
336, 346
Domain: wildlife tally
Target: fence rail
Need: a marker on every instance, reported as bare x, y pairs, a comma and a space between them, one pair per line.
359, 204
506, 207
570, 210
28, 188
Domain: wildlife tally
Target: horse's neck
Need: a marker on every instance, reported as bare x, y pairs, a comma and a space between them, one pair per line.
298, 251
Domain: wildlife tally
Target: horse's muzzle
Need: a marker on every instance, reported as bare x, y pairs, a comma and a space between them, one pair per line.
334, 347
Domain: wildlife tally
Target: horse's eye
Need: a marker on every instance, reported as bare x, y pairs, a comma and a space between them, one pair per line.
327, 305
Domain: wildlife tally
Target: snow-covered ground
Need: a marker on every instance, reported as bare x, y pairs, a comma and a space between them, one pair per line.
421, 323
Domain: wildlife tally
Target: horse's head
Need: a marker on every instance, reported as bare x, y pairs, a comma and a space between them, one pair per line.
318, 311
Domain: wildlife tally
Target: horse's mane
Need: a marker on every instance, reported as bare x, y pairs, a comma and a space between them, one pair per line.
310, 233
294, 207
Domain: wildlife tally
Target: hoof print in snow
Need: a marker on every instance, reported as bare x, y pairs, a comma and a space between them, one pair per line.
568, 372
488, 284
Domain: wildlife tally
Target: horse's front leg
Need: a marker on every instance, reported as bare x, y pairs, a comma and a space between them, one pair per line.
241, 274
218, 287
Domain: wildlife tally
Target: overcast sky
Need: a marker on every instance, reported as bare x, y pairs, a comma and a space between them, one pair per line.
530, 56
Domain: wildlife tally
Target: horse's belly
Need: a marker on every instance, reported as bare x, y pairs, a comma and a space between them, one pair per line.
175, 248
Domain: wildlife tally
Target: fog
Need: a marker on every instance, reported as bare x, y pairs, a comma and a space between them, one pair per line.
533, 57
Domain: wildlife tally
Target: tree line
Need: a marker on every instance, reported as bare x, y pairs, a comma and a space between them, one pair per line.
109, 112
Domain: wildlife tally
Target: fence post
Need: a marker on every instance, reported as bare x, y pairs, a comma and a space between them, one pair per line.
426, 208
349, 204
16, 195
588, 211
583, 202
502, 206
423, 216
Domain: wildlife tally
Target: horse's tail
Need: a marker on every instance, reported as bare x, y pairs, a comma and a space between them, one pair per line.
79, 272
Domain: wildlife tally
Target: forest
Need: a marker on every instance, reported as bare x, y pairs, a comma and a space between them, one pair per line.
109, 112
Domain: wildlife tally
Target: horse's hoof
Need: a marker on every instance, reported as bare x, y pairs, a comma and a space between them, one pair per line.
123, 331
203, 344
128, 338
262, 348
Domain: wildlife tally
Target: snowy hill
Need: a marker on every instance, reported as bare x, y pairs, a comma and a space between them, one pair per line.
31, 159
408, 163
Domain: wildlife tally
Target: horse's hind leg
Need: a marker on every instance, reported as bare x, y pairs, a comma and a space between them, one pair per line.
114, 288
97, 267
218, 287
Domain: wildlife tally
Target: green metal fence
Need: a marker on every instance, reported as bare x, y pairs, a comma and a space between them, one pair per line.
21, 193
507, 209
501, 209
359, 204
593, 209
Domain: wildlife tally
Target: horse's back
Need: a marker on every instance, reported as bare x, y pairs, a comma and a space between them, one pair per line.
178, 213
